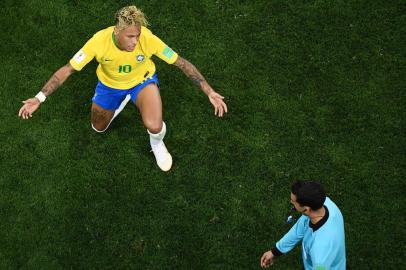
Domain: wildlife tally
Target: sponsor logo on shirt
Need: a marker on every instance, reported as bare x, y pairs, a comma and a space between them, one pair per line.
79, 56
140, 58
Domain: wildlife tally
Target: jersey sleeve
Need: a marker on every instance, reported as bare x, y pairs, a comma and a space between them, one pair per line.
157, 47
84, 55
293, 236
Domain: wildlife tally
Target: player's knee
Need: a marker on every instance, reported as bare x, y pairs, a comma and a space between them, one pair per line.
99, 127
153, 126
100, 118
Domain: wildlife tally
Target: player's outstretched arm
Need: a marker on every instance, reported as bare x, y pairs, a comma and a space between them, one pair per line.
215, 98
57, 79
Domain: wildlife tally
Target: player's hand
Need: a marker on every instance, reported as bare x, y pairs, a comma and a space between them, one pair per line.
219, 105
267, 259
29, 107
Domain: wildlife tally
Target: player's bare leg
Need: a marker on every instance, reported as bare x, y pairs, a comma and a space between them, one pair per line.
149, 104
101, 118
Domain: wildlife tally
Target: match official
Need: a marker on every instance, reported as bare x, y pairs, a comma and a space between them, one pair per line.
320, 228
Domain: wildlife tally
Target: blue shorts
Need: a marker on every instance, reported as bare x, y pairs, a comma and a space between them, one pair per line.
110, 98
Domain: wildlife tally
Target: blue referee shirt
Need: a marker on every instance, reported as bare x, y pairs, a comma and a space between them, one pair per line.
323, 243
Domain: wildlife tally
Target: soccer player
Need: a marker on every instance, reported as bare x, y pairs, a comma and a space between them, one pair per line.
126, 72
320, 228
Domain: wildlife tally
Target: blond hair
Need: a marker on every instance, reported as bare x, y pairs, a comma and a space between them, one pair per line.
130, 15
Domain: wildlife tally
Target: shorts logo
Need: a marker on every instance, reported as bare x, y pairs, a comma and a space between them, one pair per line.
140, 58
79, 56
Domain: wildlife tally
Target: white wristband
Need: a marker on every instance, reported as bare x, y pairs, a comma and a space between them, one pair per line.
41, 97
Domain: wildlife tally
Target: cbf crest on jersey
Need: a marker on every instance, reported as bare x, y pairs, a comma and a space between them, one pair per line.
140, 58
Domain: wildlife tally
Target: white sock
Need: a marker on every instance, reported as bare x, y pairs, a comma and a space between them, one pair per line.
156, 139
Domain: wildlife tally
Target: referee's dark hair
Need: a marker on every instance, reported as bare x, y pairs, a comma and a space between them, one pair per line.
309, 193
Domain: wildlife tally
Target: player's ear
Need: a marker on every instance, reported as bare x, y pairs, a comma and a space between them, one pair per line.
116, 30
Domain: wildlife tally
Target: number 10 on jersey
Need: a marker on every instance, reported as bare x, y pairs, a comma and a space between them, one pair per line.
124, 69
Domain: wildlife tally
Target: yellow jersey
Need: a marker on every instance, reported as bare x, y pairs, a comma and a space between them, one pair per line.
121, 69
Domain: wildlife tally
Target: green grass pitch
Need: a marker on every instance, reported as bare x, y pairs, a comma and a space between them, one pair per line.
315, 90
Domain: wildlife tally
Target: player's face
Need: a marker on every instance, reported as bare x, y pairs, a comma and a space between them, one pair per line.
297, 206
127, 38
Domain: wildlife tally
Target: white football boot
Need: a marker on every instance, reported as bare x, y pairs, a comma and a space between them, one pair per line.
162, 156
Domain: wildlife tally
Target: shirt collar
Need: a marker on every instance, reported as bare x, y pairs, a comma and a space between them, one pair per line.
321, 222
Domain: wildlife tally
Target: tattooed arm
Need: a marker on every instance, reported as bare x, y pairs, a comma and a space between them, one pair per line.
57, 79
197, 78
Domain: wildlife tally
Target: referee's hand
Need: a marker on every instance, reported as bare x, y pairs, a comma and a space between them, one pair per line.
267, 259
